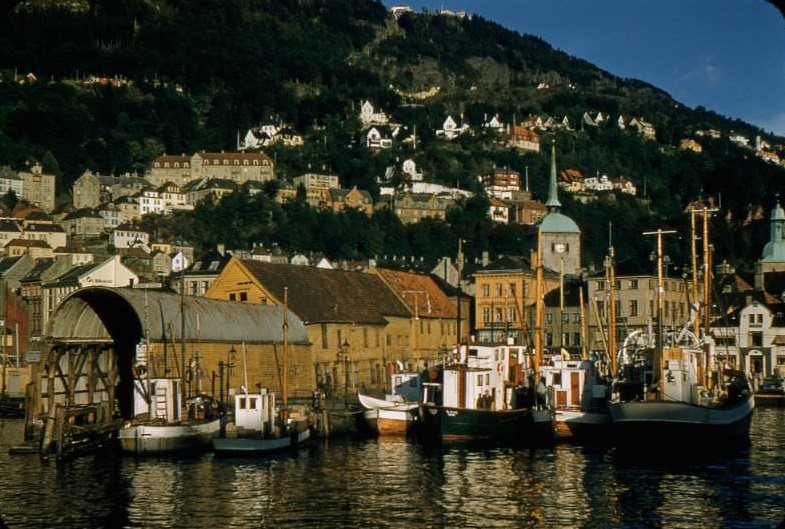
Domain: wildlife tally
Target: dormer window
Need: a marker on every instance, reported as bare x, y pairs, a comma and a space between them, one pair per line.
245, 162
256, 162
237, 162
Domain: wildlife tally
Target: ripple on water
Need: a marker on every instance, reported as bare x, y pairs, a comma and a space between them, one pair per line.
381, 483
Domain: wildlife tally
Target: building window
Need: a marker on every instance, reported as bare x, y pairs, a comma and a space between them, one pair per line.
633, 308
756, 339
565, 317
633, 284
549, 318
486, 314
486, 290
325, 341
498, 289
511, 314
243, 296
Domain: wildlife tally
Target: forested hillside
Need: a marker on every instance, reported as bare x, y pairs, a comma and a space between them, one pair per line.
191, 76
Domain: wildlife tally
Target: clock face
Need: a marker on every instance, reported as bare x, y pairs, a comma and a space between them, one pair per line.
559, 247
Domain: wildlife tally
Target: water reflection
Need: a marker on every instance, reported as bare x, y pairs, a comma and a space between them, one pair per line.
383, 483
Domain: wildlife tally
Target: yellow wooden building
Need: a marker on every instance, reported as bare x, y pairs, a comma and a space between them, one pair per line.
356, 325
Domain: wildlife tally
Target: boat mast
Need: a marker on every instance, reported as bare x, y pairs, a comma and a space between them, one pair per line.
611, 277
697, 320
285, 378
706, 293
182, 337
658, 350
538, 328
460, 270
584, 335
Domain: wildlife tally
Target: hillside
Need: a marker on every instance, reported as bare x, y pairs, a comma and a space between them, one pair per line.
190, 76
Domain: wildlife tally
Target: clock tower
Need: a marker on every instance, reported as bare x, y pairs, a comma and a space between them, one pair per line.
561, 237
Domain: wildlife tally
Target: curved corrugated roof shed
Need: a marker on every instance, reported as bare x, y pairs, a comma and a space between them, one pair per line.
95, 313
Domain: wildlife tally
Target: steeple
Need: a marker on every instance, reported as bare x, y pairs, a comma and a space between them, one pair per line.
553, 203
774, 250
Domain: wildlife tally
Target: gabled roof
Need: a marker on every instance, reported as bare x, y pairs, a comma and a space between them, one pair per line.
34, 275
209, 263
234, 156
6, 263
10, 225
71, 276
84, 213
28, 243
319, 295
420, 293
44, 227
506, 264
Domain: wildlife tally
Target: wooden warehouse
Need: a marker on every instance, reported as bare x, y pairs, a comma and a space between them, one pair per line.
98, 339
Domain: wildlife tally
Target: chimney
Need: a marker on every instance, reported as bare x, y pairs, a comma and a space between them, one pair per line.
221, 248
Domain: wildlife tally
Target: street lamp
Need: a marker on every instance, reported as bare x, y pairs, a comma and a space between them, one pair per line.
230, 358
343, 356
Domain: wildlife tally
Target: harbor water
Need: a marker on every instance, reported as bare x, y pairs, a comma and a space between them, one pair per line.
383, 483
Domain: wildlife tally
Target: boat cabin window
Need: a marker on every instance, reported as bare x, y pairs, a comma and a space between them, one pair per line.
252, 403
241, 402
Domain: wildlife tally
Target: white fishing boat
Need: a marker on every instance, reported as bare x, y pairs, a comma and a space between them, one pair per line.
259, 429
578, 395
260, 426
163, 424
397, 413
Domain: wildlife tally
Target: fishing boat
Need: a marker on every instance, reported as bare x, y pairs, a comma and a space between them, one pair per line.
578, 394
397, 413
662, 396
260, 426
771, 392
165, 419
666, 388
579, 389
163, 424
485, 395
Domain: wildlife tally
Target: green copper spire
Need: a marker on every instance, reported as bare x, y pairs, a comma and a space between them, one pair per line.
553, 203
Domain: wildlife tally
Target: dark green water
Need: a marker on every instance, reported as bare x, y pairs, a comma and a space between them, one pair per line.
385, 484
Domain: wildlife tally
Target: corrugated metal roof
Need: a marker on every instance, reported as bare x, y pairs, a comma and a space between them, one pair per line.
89, 313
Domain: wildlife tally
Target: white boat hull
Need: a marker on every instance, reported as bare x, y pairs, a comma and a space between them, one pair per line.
256, 446
161, 438
582, 425
385, 417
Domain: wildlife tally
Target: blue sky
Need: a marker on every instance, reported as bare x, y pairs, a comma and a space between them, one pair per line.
726, 55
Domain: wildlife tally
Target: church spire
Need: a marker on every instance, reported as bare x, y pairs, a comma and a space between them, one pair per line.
553, 203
